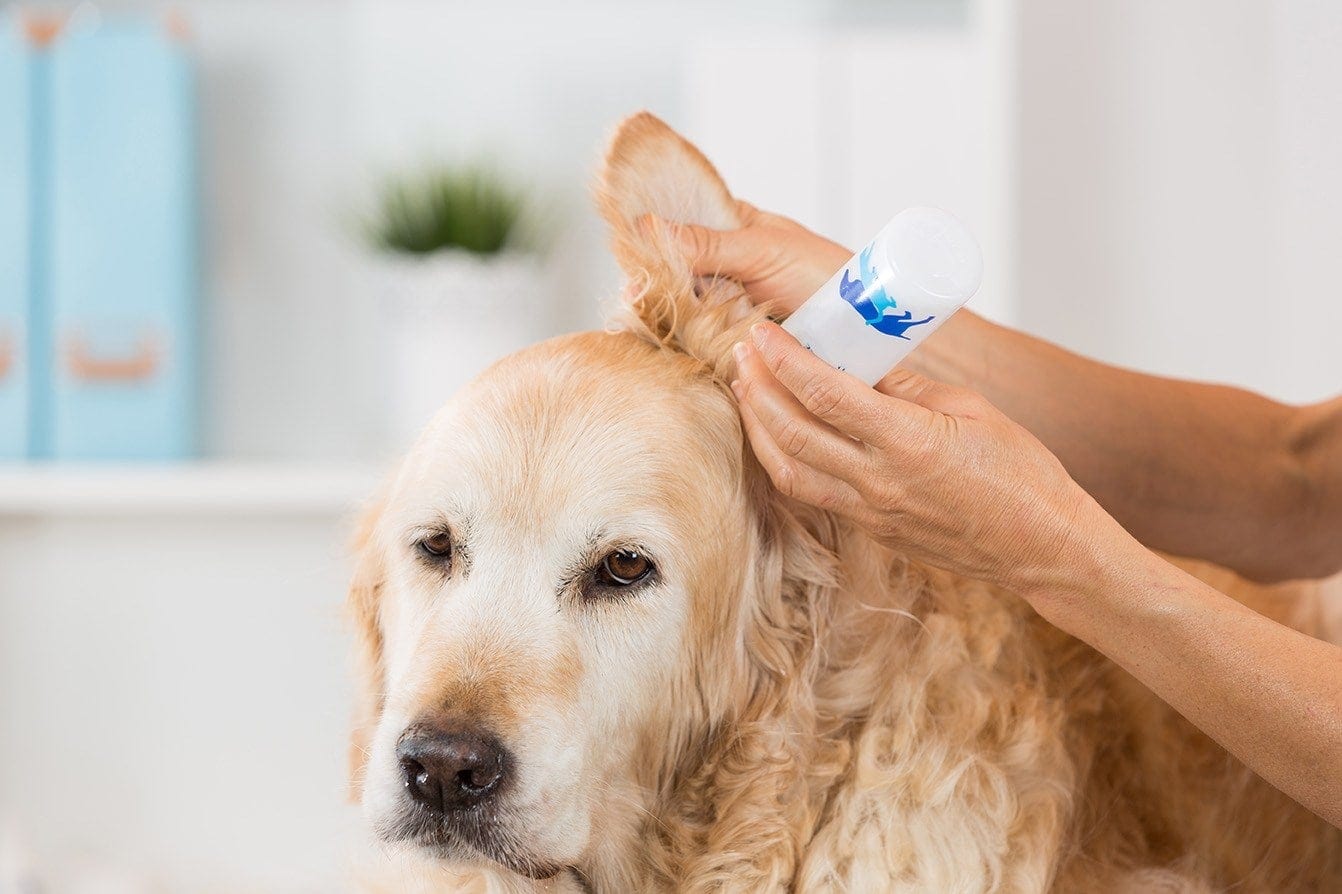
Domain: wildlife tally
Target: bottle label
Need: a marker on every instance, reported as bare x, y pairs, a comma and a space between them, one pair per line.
867, 296
889, 297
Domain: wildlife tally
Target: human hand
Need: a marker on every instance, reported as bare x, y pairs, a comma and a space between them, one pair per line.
934, 471
777, 259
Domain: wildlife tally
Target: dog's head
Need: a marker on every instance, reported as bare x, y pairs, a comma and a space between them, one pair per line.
574, 579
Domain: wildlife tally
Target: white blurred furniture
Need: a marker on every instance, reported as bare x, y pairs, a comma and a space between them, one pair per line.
173, 672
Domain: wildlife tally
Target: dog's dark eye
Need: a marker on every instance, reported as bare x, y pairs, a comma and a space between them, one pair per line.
623, 568
437, 546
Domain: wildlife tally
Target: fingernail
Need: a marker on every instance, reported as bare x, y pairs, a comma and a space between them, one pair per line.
647, 224
740, 352
736, 388
757, 334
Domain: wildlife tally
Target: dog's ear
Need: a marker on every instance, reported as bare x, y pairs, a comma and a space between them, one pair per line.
650, 174
363, 605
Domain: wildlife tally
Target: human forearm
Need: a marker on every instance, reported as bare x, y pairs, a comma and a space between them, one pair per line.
1193, 469
1268, 694
1316, 441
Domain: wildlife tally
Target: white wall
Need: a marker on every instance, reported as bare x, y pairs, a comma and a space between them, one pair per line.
174, 709
841, 128
1179, 187
1304, 294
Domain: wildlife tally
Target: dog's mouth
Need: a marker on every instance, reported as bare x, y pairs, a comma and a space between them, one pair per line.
469, 836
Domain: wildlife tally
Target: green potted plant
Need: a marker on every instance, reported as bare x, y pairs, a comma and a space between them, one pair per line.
461, 282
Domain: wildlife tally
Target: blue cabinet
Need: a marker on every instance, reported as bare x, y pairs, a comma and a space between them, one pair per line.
121, 246
18, 87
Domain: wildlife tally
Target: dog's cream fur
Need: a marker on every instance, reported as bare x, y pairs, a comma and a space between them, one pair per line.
791, 706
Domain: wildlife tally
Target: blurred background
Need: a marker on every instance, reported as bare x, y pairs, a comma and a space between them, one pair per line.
247, 245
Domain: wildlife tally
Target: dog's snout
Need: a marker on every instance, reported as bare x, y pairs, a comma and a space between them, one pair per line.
453, 771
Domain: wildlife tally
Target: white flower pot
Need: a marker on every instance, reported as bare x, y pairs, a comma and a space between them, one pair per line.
447, 316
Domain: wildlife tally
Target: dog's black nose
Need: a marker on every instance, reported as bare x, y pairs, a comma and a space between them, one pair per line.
452, 771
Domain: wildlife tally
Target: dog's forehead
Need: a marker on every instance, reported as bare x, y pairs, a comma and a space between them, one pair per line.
596, 424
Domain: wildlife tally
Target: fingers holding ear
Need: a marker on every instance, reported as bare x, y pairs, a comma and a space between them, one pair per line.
710, 252
791, 428
794, 478
748, 213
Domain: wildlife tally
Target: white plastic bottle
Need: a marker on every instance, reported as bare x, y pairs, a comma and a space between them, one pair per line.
921, 268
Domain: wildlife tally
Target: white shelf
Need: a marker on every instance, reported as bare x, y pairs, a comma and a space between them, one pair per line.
197, 488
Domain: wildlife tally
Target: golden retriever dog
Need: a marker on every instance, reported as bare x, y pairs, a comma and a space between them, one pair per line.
601, 653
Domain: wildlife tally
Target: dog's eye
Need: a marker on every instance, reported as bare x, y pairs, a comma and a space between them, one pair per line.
623, 568
437, 546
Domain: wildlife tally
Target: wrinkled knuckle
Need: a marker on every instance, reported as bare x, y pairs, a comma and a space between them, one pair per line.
793, 437
829, 500
920, 445
698, 240
974, 401
916, 448
888, 498
888, 528
894, 381
823, 397
786, 480
871, 487
916, 388
887, 511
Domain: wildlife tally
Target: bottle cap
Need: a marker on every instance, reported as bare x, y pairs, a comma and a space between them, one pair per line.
933, 254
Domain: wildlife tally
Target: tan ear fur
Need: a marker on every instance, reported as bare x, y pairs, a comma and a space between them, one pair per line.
362, 605
650, 169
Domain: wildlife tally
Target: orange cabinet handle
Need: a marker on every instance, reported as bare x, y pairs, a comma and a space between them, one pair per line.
42, 29
8, 354
87, 366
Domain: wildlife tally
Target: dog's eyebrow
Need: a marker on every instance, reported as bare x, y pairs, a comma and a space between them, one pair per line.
583, 561
604, 539
440, 514
590, 552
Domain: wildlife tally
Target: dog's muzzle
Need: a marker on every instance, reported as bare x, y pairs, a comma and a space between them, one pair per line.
456, 785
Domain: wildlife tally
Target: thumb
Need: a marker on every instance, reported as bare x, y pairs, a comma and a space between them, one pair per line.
711, 252
930, 393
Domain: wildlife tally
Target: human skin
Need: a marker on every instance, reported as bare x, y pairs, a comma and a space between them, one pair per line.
1227, 475
938, 471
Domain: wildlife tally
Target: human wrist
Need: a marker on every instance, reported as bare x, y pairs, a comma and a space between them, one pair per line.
1090, 568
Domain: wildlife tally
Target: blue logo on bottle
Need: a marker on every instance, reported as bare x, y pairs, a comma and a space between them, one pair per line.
868, 297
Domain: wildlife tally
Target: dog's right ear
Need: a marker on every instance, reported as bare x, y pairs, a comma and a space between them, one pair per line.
364, 606
651, 169
652, 174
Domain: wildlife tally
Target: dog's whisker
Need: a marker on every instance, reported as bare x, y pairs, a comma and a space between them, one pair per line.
893, 611
628, 799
